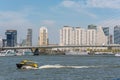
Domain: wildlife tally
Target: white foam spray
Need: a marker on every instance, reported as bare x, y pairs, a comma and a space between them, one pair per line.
61, 66
68, 66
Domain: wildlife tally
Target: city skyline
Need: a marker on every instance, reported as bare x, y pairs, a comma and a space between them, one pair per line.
70, 36
54, 14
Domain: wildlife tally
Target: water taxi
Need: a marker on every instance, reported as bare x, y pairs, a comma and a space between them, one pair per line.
27, 64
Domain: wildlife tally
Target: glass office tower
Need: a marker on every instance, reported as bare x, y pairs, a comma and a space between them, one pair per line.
117, 34
11, 38
106, 32
29, 37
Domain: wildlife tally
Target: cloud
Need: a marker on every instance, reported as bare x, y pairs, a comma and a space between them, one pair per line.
10, 15
113, 4
48, 22
84, 6
70, 4
13, 19
76, 6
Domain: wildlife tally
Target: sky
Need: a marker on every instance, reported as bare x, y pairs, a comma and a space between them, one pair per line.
54, 14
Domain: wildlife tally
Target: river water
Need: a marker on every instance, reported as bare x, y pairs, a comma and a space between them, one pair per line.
61, 67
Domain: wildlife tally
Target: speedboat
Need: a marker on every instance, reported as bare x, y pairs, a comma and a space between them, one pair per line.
27, 64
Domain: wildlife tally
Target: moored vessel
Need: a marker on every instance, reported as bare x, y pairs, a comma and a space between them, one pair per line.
7, 53
76, 53
117, 54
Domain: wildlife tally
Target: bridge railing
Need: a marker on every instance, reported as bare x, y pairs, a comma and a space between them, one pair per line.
57, 46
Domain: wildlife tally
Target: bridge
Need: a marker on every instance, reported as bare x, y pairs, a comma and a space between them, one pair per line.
35, 49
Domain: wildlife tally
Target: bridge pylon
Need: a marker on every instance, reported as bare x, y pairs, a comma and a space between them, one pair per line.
35, 51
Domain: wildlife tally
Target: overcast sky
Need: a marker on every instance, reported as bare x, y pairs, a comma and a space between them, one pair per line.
54, 14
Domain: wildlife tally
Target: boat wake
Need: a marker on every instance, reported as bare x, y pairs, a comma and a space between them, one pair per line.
73, 67
61, 66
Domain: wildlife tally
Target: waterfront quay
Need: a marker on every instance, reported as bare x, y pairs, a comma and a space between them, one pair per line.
56, 49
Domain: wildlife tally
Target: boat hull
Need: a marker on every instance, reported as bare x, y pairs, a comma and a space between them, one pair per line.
19, 66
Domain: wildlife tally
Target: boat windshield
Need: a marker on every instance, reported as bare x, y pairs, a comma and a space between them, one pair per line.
27, 61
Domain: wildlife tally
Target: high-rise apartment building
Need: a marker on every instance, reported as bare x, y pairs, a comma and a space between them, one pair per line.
91, 37
72, 36
29, 37
80, 36
11, 38
43, 36
91, 34
117, 34
66, 35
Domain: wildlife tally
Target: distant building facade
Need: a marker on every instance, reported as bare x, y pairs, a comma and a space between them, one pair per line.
91, 36
92, 26
1, 41
23, 42
66, 35
43, 36
117, 34
72, 36
111, 39
80, 36
11, 38
4, 42
101, 37
29, 38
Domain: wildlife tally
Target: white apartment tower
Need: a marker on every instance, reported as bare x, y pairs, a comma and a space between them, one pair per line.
79, 36
66, 35
43, 36
91, 37
72, 36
